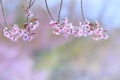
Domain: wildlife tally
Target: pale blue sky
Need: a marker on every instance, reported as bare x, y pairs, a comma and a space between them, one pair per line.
108, 11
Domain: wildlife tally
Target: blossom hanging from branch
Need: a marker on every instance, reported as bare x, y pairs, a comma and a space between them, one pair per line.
15, 32
84, 29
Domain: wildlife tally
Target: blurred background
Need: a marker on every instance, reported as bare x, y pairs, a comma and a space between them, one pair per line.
51, 57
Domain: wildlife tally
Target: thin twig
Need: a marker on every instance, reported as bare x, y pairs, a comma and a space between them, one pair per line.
28, 8
3, 12
30, 5
48, 10
82, 11
60, 10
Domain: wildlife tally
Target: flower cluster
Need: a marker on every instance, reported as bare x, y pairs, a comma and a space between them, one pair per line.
26, 33
15, 33
85, 29
28, 13
28, 28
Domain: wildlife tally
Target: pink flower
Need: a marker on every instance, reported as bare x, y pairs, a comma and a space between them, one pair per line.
85, 29
33, 26
27, 38
26, 35
64, 28
53, 24
28, 13
14, 34
79, 32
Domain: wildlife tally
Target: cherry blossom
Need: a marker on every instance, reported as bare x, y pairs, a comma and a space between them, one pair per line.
64, 28
28, 13
85, 29
25, 33
14, 34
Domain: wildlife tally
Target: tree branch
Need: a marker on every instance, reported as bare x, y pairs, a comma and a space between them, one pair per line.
82, 10
48, 10
60, 10
30, 5
3, 12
